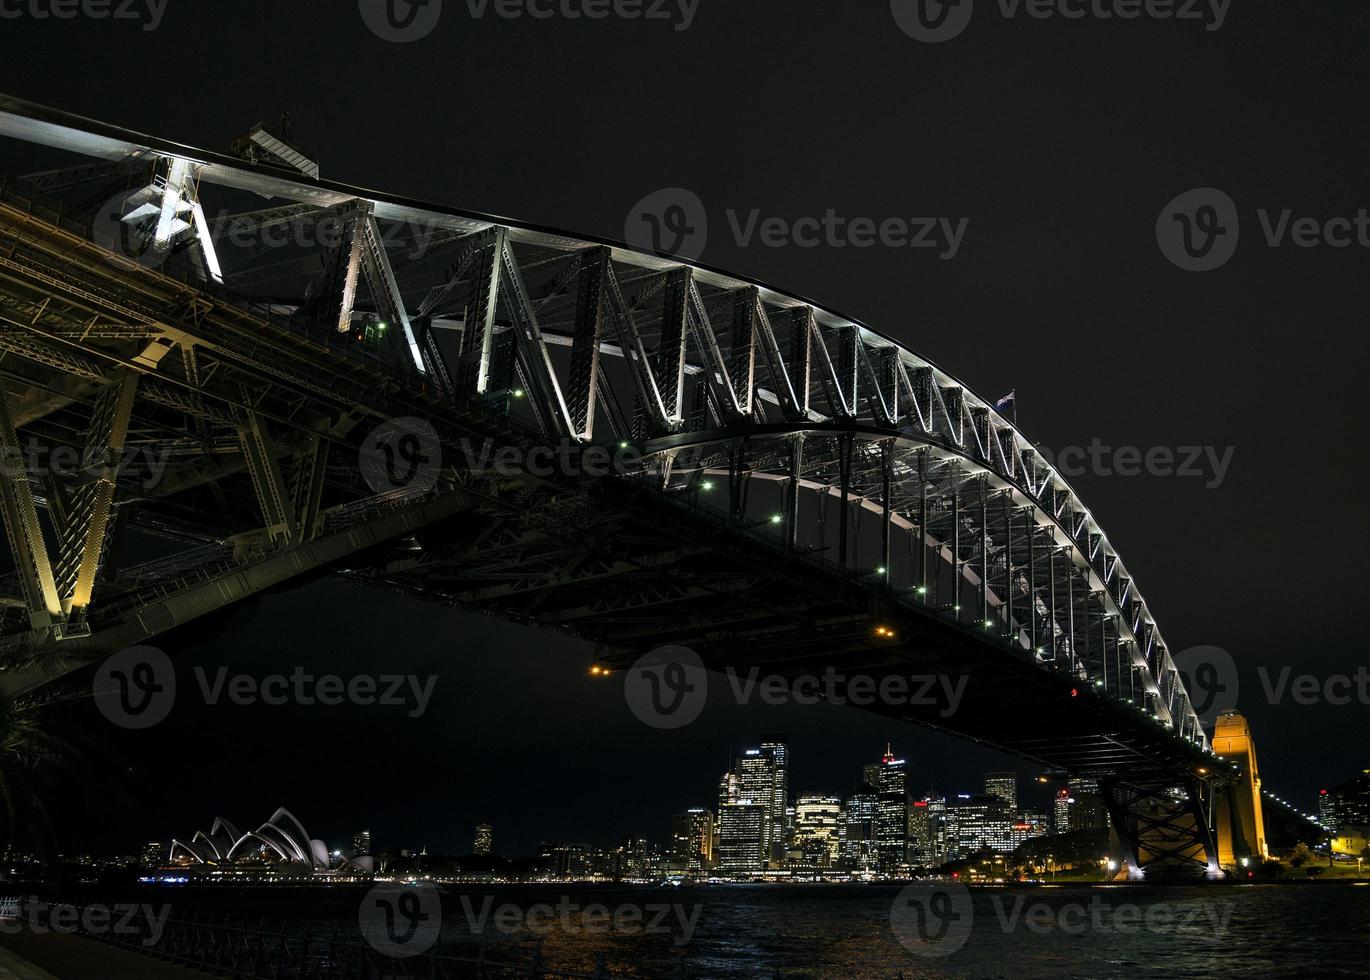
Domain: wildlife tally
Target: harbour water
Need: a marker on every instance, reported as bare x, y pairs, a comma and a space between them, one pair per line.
851, 931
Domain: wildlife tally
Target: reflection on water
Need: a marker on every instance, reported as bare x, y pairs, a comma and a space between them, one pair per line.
845, 931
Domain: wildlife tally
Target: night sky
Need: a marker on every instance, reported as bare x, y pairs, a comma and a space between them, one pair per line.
1060, 140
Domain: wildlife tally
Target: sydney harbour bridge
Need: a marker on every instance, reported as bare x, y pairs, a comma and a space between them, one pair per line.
688, 457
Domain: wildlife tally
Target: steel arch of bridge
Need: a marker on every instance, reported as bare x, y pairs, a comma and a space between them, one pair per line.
708, 375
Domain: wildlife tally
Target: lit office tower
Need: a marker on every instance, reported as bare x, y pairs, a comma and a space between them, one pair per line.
1060, 814
858, 844
1087, 805
778, 748
155, 854
982, 823
692, 838
920, 834
741, 836
756, 781
818, 828
891, 813
1327, 810
361, 842
485, 839
1005, 786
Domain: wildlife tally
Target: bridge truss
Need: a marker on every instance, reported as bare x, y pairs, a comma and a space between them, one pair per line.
785, 486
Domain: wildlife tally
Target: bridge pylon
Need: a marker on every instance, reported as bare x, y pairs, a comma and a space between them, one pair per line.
1162, 831
1238, 818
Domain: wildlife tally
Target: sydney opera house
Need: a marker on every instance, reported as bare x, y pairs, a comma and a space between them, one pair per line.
281, 846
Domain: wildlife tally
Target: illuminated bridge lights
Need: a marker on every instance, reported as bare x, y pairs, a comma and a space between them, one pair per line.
598, 671
884, 631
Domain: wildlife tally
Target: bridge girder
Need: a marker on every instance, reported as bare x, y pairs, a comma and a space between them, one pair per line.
948, 521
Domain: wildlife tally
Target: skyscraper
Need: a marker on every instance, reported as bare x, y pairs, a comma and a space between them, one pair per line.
692, 838
778, 748
818, 826
1087, 805
485, 839
1005, 786
741, 835
361, 842
982, 823
758, 783
891, 813
1060, 814
859, 845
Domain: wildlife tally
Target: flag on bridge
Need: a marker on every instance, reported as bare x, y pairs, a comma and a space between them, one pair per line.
1007, 403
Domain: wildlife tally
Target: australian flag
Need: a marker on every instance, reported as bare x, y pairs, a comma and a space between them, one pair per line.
1006, 404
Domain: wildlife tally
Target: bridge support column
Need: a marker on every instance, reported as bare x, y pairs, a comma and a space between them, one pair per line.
1157, 834
1237, 805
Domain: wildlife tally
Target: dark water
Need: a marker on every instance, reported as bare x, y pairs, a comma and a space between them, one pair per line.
841, 931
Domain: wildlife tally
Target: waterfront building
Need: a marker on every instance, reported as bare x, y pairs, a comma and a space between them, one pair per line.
155, 854
819, 821
281, 846
981, 823
361, 842
692, 838
742, 837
